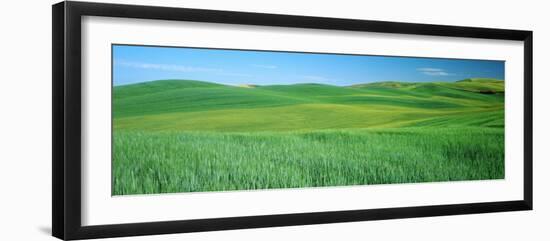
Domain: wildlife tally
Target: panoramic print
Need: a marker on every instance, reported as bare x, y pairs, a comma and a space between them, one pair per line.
202, 120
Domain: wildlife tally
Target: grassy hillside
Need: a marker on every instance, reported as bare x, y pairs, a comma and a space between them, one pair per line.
188, 136
192, 105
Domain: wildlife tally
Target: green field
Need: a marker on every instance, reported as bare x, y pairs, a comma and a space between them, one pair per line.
192, 136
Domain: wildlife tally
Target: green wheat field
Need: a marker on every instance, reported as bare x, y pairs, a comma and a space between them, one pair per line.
172, 136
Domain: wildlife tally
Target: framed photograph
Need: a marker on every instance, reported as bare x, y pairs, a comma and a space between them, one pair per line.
171, 120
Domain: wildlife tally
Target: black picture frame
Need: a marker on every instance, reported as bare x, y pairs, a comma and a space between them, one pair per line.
66, 127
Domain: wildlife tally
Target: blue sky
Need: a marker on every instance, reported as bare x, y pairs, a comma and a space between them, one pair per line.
133, 64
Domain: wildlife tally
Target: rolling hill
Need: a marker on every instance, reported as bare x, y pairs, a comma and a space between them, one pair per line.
190, 136
166, 105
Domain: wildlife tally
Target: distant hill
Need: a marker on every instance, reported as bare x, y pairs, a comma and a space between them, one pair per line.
199, 105
388, 84
247, 85
479, 85
481, 80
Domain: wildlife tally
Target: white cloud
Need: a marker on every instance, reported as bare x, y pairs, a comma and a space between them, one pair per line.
429, 70
264, 66
166, 67
434, 72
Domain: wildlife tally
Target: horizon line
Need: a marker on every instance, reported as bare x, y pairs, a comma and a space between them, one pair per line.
364, 83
